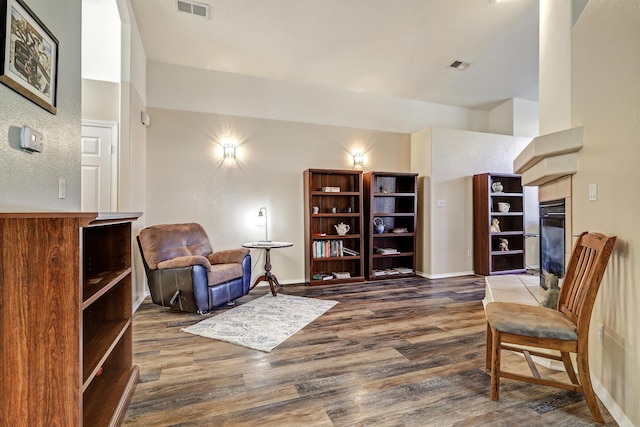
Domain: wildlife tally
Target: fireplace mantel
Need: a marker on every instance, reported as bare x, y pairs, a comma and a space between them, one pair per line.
549, 157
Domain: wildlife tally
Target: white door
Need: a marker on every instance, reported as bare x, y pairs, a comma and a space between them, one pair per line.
99, 178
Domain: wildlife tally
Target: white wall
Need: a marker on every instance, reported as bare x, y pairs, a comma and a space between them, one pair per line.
187, 179
555, 65
29, 182
190, 89
517, 117
455, 157
605, 86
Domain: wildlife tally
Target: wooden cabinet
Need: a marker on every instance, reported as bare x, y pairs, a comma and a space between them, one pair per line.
333, 197
65, 318
391, 204
498, 231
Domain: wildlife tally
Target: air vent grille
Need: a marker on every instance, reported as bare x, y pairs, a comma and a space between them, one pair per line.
459, 65
193, 8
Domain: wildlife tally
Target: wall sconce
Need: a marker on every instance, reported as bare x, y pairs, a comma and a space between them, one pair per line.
261, 220
229, 151
358, 159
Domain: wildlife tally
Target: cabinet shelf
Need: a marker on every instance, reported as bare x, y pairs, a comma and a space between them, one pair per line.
81, 319
335, 258
98, 284
392, 197
100, 344
399, 254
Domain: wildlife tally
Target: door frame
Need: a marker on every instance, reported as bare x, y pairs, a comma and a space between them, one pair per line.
115, 155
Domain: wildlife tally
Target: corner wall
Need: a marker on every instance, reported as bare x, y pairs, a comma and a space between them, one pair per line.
455, 157
29, 182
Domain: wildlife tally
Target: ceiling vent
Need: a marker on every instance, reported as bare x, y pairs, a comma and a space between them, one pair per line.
193, 8
459, 65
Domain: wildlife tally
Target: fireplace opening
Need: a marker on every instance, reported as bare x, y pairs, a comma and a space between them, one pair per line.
552, 240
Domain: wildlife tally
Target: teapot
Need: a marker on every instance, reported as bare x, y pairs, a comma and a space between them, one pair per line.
342, 228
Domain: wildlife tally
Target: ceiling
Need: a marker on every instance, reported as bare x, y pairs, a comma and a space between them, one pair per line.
398, 48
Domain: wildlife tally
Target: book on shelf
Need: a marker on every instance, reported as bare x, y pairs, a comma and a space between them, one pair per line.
350, 252
341, 274
322, 276
331, 189
377, 273
403, 270
387, 251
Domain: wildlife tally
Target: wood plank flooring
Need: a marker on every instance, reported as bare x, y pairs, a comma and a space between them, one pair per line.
395, 353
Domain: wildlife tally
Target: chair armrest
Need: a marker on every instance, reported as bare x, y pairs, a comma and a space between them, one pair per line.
185, 261
230, 256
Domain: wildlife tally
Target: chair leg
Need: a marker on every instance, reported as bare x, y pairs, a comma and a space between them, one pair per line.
495, 365
568, 366
488, 351
587, 388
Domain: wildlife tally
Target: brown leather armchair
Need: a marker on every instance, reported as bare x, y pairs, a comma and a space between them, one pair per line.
185, 274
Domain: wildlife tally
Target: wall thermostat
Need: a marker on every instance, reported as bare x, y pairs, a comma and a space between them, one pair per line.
30, 139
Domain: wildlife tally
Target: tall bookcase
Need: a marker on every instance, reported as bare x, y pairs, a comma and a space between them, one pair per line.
489, 191
391, 201
66, 318
333, 197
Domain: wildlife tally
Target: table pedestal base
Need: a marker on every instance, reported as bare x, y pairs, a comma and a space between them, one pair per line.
267, 276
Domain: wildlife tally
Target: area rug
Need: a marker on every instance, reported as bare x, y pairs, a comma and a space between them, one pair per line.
263, 323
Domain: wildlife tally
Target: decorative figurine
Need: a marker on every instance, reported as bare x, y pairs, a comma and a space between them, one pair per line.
495, 225
503, 245
553, 291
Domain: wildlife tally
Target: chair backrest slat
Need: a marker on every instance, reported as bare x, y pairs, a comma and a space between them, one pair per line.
584, 274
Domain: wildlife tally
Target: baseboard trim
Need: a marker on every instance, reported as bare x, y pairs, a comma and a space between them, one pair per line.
611, 405
445, 275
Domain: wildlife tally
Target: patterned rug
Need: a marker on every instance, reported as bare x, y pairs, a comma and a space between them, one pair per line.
263, 323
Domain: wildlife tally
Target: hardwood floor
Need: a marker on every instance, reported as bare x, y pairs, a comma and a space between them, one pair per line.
395, 353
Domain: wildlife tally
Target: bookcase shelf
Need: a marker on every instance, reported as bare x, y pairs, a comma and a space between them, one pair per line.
343, 204
489, 258
391, 197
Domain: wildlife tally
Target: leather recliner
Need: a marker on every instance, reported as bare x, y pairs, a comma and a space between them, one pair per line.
185, 274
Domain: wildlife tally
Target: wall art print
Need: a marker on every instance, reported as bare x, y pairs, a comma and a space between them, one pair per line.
28, 54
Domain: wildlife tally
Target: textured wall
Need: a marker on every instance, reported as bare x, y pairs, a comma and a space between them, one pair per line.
29, 182
606, 101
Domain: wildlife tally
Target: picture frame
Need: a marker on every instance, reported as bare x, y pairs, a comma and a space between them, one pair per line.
28, 55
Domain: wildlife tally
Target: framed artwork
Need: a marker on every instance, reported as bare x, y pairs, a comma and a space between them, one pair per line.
28, 55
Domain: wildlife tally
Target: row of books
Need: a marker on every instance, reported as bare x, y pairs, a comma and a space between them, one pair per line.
334, 275
331, 248
392, 271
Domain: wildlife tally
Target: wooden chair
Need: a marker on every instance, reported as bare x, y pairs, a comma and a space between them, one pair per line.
565, 330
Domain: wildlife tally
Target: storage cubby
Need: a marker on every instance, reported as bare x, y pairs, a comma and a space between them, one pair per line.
66, 288
490, 190
390, 199
333, 197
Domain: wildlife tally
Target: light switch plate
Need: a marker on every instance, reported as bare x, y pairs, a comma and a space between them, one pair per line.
440, 203
593, 192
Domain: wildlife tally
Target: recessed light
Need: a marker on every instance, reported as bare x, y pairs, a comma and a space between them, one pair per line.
459, 65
